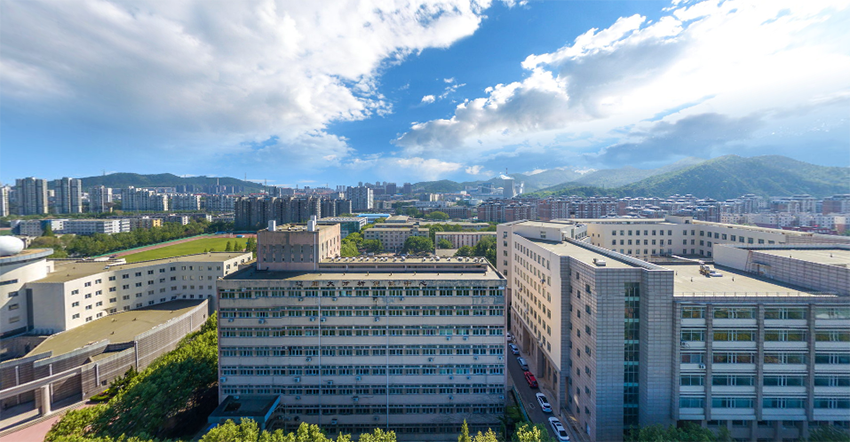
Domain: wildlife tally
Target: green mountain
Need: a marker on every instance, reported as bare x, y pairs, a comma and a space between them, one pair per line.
727, 177
119, 180
627, 175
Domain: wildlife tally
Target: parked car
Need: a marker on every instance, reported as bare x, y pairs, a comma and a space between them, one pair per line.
532, 381
509, 336
544, 404
560, 431
522, 364
514, 349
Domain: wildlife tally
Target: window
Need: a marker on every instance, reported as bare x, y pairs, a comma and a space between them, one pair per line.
784, 313
734, 335
691, 380
693, 312
734, 313
785, 336
779, 402
732, 402
75, 304
693, 335
832, 358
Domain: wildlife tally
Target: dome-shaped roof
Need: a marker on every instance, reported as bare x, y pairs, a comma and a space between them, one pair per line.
9, 245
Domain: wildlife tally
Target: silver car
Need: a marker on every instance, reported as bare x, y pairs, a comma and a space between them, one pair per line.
544, 404
514, 349
559, 430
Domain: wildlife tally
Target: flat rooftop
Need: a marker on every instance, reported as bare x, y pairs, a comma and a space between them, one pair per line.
689, 282
26, 255
65, 271
839, 257
408, 271
581, 254
120, 327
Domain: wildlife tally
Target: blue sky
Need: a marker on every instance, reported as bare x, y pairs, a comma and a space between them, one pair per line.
308, 93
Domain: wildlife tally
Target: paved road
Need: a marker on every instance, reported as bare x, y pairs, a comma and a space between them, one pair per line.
530, 401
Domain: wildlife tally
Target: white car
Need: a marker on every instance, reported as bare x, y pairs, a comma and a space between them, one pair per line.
559, 430
514, 349
509, 336
544, 404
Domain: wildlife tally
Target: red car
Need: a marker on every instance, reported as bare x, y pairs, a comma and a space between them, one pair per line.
532, 381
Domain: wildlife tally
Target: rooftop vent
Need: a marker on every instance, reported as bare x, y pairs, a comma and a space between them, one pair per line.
599, 262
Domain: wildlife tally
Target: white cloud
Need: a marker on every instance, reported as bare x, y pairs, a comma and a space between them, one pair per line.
449, 80
427, 169
474, 170
428, 99
217, 76
734, 58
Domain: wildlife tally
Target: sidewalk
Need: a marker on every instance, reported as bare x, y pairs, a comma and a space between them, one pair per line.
29, 426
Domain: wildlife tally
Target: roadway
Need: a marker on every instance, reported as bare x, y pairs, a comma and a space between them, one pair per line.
529, 400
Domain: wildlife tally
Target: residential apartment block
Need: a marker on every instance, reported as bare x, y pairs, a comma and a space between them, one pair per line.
4, 200
759, 344
362, 198
100, 199
31, 196
185, 203
143, 200
69, 195
415, 346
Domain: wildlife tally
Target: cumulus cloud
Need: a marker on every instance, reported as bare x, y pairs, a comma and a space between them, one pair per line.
731, 59
217, 75
428, 99
474, 170
428, 169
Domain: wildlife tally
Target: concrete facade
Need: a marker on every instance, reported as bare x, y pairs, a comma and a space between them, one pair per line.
416, 346
15, 272
31, 196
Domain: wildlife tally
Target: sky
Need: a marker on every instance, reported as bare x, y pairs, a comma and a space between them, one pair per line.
314, 93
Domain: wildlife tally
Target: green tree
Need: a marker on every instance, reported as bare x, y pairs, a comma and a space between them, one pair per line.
489, 436
828, 433
444, 244
417, 244
433, 229
688, 433
377, 435
48, 231
251, 246
532, 433
373, 246
228, 247
465, 251
348, 249
437, 215
464, 433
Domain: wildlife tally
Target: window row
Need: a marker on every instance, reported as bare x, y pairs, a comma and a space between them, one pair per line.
363, 350
363, 311
364, 370
307, 331
332, 292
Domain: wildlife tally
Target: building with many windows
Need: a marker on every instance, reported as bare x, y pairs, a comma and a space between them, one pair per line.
759, 343
69, 195
362, 198
31, 194
100, 199
74, 292
416, 346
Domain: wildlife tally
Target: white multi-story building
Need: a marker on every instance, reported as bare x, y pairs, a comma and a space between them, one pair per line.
99, 199
182, 202
393, 238
78, 291
460, 239
4, 200
92, 226
758, 345
16, 269
220, 203
143, 200
415, 346
362, 198
648, 238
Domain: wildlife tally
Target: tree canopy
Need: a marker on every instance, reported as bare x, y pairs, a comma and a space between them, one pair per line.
444, 244
437, 215
418, 244
688, 433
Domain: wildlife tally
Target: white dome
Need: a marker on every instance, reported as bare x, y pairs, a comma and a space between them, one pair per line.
9, 245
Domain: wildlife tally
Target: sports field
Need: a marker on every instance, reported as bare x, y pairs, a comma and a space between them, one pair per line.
187, 248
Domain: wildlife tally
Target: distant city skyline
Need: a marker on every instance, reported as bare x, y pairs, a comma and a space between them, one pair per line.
297, 95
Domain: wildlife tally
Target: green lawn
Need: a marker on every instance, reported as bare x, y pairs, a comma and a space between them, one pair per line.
186, 248
5, 231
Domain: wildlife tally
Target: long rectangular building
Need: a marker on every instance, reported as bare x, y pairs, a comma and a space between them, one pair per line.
416, 346
758, 344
